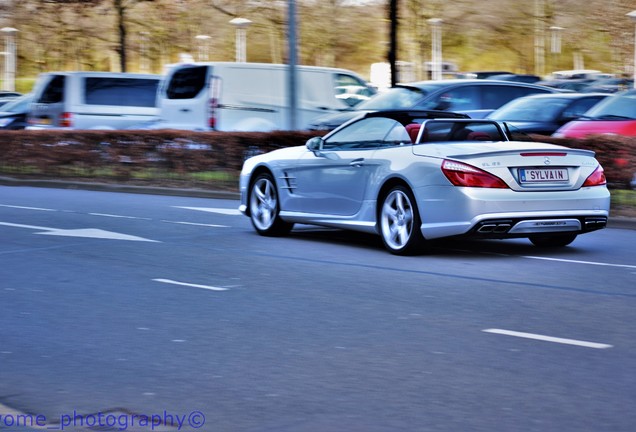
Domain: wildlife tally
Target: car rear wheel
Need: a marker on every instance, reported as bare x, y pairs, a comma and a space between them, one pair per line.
400, 222
553, 241
264, 207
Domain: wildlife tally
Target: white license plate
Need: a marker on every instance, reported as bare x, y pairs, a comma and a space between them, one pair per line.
543, 175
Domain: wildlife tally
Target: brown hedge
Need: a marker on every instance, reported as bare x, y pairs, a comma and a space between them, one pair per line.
54, 153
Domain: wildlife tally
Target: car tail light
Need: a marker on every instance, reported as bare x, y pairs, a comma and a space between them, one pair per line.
213, 102
597, 178
461, 174
212, 113
525, 154
66, 119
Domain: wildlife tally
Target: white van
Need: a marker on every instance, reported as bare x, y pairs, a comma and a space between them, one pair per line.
93, 100
252, 96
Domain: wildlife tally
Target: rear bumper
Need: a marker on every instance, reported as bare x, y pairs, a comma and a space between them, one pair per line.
502, 213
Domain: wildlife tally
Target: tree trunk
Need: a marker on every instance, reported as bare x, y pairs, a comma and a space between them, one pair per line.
393, 20
121, 30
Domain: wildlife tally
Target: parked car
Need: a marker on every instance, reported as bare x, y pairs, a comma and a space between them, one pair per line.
543, 114
574, 85
614, 115
609, 85
13, 115
476, 97
93, 100
230, 96
7, 96
408, 179
526, 78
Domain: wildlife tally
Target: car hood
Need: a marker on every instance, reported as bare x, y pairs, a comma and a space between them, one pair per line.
582, 128
332, 121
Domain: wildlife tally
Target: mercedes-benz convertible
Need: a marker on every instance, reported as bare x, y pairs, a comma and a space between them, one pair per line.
411, 178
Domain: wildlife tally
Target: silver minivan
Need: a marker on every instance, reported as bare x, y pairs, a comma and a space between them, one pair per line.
93, 100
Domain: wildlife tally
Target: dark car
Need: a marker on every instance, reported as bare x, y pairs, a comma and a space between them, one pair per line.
545, 113
14, 113
476, 97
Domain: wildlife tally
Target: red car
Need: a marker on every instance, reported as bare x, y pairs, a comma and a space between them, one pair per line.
615, 115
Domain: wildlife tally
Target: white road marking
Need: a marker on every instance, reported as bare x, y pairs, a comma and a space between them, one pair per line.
96, 233
207, 287
548, 338
24, 226
85, 233
196, 224
118, 216
581, 262
224, 211
27, 208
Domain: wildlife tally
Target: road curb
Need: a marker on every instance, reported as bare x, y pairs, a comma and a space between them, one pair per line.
114, 187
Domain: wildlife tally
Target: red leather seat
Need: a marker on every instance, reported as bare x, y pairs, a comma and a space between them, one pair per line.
413, 129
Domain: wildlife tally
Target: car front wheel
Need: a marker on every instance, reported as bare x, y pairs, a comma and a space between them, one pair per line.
552, 241
265, 208
400, 222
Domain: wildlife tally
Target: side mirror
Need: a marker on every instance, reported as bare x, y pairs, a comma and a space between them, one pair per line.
315, 144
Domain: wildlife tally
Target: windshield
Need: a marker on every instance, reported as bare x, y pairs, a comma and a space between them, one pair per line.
530, 110
618, 107
393, 98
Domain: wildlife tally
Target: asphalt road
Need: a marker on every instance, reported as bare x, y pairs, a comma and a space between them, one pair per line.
117, 307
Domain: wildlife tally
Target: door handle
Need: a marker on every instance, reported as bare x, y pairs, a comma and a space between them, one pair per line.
357, 162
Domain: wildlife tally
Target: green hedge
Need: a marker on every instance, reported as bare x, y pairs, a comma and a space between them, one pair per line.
201, 158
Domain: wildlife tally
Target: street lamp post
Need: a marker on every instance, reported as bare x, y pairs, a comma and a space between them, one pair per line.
436, 48
632, 15
9, 58
555, 44
144, 61
241, 25
203, 46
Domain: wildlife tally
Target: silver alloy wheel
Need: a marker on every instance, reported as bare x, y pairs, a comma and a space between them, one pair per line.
263, 204
396, 220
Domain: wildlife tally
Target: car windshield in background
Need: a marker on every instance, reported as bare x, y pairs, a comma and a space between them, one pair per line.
530, 110
619, 107
394, 98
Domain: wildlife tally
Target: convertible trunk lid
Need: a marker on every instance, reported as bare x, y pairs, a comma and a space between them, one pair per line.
523, 166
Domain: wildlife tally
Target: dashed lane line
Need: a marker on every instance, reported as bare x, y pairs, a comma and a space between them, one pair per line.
545, 338
206, 287
580, 262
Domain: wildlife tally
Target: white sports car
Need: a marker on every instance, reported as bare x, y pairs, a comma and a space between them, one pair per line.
409, 178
